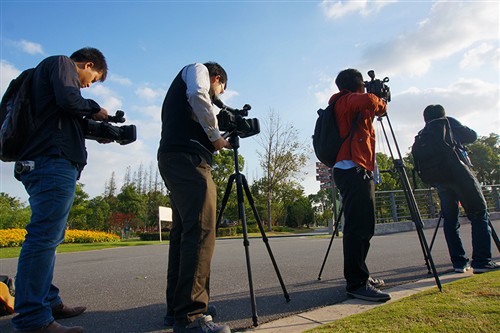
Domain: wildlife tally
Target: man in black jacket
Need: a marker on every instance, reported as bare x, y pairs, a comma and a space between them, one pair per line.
463, 187
56, 150
190, 135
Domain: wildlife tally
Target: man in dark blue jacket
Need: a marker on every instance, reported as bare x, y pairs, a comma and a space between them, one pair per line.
463, 187
57, 150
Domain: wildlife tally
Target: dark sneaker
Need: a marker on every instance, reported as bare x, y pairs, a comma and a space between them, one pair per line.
203, 324
377, 283
489, 267
169, 319
462, 269
369, 293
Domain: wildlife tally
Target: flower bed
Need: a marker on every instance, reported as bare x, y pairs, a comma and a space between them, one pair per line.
15, 237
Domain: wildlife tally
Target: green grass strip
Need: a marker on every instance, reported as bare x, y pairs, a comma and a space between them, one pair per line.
466, 305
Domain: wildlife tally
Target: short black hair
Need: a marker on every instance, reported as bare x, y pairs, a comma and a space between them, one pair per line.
215, 69
349, 79
90, 54
432, 112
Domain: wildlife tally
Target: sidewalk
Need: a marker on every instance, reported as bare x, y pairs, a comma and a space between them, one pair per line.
310, 319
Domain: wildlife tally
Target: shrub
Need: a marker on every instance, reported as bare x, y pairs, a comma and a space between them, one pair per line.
84, 236
225, 232
12, 237
15, 237
280, 228
153, 236
250, 228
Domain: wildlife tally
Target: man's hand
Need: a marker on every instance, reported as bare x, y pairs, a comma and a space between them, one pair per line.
221, 143
101, 115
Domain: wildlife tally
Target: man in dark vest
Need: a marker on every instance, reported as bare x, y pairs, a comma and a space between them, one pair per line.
463, 187
190, 135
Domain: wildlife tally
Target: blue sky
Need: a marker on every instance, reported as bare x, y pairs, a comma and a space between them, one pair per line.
279, 55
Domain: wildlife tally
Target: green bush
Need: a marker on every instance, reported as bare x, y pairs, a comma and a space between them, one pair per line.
250, 228
280, 228
225, 232
153, 236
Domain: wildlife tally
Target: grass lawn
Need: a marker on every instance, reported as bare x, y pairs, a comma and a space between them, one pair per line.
466, 305
13, 252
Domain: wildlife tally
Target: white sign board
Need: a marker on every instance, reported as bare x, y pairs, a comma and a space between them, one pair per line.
164, 214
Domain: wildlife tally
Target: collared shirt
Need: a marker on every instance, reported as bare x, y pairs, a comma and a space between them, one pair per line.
197, 80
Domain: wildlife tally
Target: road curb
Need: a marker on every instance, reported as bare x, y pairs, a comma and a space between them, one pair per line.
307, 320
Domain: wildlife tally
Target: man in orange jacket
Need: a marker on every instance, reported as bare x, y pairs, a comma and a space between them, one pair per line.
353, 176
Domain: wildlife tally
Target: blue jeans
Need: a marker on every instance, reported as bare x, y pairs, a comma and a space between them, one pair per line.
466, 190
51, 188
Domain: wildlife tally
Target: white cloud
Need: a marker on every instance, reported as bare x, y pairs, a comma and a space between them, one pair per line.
106, 97
120, 79
227, 96
338, 9
484, 53
30, 47
8, 72
150, 94
451, 27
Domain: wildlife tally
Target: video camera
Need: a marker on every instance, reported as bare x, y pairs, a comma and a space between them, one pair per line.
232, 121
378, 87
104, 131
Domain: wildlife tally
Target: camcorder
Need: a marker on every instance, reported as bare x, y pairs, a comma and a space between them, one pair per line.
232, 121
104, 131
378, 87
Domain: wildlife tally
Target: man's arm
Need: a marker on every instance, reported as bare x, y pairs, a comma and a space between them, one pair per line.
64, 79
198, 87
462, 133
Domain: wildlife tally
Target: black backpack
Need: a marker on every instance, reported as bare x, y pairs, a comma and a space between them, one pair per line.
16, 118
434, 152
326, 137
7, 294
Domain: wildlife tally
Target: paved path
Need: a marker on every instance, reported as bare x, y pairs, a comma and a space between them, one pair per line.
123, 288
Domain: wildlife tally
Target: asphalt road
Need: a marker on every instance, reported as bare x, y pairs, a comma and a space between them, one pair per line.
124, 288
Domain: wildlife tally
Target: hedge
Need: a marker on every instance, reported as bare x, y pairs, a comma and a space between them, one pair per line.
15, 237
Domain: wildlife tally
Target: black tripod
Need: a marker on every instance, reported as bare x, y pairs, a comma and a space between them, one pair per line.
412, 205
241, 183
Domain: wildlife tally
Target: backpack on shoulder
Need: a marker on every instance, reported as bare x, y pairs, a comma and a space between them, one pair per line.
7, 294
434, 153
16, 117
326, 138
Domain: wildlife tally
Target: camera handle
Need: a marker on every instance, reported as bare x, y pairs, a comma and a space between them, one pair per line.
241, 184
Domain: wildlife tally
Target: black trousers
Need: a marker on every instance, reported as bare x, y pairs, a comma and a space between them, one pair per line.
192, 238
357, 188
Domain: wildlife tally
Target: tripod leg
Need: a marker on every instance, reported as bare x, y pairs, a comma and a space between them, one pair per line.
224, 201
494, 235
417, 219
264, 237
435, 231
331, 241
246, 244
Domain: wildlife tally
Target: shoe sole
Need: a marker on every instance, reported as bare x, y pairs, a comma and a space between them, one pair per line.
371, 299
